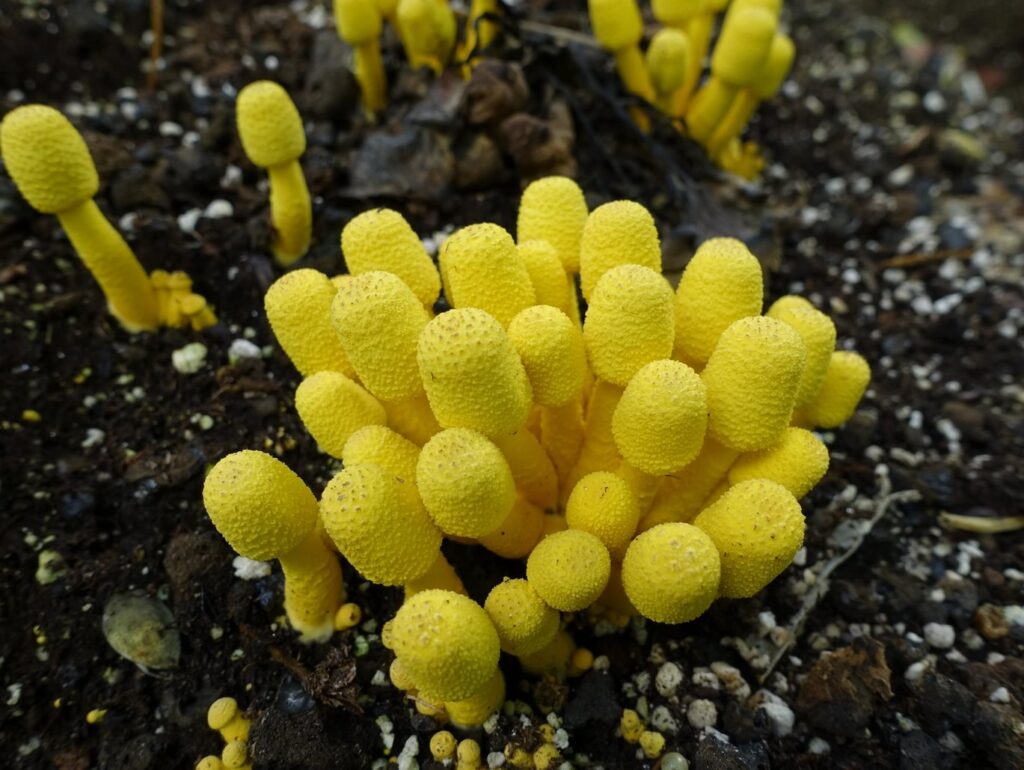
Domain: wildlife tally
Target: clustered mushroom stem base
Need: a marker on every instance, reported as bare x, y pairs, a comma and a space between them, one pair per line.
736, 119
313, 588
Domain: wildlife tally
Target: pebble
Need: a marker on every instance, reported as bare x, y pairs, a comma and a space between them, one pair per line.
941, 636
674, 761
819, 746
218, 209
187, 221
780, 715
732, 680
702, 713
189, 359
668, 679
1000, 695
250, 569
242, 349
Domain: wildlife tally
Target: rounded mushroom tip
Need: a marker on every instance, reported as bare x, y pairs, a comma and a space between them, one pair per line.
269, 124
359, 21
221, 712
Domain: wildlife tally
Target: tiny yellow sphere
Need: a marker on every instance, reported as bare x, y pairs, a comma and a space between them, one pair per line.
553, 209
442, 745
468, 753
269, 124
221, 712
333, 407
347, 616
523, 621
569, 569
550, 346
798, 462
617, 233
602, 504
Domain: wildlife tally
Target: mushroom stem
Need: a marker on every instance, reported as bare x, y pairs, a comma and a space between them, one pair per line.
129, 293
561, 432
290, 212
644, 486
532, 469
633, 70
698, 30
412, 418
709, 107
598, 452
370, 76
313, 588
739, 114
682, 495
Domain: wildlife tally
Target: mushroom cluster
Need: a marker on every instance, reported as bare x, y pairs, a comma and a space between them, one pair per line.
643, 461
748, 65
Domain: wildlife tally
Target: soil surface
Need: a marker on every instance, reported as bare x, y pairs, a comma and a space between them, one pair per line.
892, 199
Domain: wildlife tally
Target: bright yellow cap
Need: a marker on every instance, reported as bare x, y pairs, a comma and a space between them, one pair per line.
776, 68
677, 12
721, 284
465, 483
550, 346
553, 209
442, 745
616, 23
819, 335
298, 306
332, 408
379, 320
846, 379
477, 708
47, 159
472, 374
377, 527
481, 268
378, 445
602, 504
440, 575
518, 533
235, 755
751, 380
446, 643
743, 46
550, 283
671, 573
757, 527
221, 712
629, 322
381, 239
468, 753
358, 21
659, 422
617, 233
269, 125
569, 570
210, 763
523, 621
668, 57
798, 462
258, 504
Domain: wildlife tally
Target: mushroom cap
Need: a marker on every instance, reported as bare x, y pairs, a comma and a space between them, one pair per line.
477, 708
569, 569
47, 159
258, 504
744, 44
819, 336
671, 573
751, 380
333, 407
235, 755
798, 462
379, 445
617, 233
221, 712
298, 306
674, 13
757, 527
550, 283
481, 268
518, 533
381, 239
385, 534
553, 209
667, 59
465, 483
616, 23
550, 346
721, 284
846, 379
660, 420
446, 643
269, 124
358, 21
210, 763
629, 322
442, 745
523, 621
472, 374
379, 320
776, 69
602, 504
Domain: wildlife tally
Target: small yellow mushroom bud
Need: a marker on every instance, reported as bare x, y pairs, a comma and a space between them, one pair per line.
602, 504
629, 323
468, 755
379, 320
819, 336
378, 445
52, 168
440, 575
668, 62
225, 717
442, 746
518, 533
381, 239
298, 306
722, 283
660, 420
481, 268
846, 379
428, 33
95, 716
524, 623
552, 659
550, 283
332, 408
619, 28
695, 18
446, 643
235, 755
569, 570
757, 527
378, 527
465, 483
617, 233
671, 573
359, 25
472, 374
210, 762
798, 462
553, 209
751, 380
265, 511
473, 711
347, 616
273, 138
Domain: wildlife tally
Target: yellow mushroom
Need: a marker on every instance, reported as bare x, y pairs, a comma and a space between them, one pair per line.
236, 756
752, 379
468, 755
668, 58
225, 717
52, 168
298, 306
819, 335
379, 528
694, 18
798, 462
471, 712
333, 407
274, 139
446, 643
428, 32
619, 28
359, 24
210, 762
569, 569
617, 233
443, 746
521, 530
378, 445
553, 209
550, 283
381, 239
722, 283
480, 31
265, 511
602, 504
524, 623
842, 388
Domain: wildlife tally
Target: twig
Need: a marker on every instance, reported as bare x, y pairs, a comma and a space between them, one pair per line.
987, 525
913, 260
156, 45
560, 34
